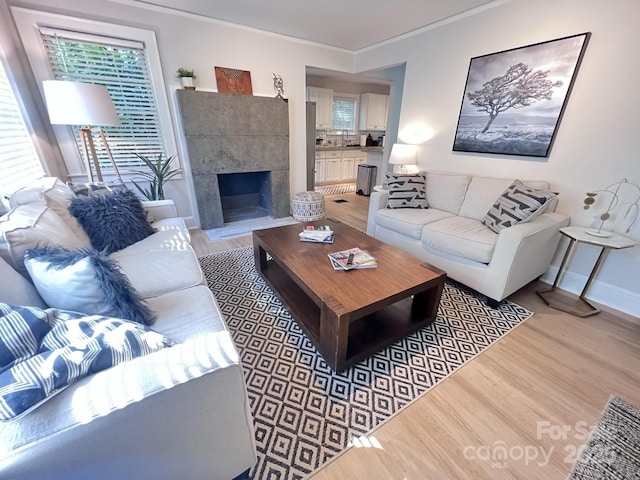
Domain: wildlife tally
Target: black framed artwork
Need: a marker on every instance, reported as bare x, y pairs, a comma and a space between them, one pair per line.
514, 99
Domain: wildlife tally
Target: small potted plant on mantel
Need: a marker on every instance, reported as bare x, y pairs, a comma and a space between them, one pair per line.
187, 77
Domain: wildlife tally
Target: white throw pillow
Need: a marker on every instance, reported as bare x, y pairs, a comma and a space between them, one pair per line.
53, 193
31, 226
85, 281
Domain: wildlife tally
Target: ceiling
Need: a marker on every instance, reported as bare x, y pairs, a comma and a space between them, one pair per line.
347, 24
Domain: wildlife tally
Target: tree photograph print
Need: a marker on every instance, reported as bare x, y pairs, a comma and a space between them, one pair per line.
513, 100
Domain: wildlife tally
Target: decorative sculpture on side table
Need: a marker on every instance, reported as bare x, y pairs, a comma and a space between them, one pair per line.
632, 210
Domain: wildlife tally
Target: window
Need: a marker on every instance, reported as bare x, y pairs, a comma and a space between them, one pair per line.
344, 113
122, 67
125, 59
19, 161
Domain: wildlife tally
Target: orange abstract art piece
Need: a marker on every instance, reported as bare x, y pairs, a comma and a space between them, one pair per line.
231, 80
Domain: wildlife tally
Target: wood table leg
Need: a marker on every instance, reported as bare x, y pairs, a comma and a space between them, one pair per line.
260, 255
424, 305
334, 337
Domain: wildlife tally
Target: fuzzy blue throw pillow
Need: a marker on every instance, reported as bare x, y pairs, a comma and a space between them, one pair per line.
86, 281
112, 221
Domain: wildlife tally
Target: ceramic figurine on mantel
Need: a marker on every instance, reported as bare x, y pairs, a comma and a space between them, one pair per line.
187, 77
278, 86
622, 194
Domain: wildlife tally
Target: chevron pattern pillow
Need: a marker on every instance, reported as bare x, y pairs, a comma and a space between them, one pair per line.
517, 204
407, 190
73, 347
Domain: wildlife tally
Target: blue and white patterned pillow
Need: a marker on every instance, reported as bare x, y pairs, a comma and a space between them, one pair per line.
89, 189
517, 204
71, 350
22, 330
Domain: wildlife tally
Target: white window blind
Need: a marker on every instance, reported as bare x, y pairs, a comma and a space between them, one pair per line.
19, 161
344, 114
121, 66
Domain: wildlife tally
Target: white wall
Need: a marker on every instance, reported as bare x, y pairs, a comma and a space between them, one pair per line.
597, 141
200, 44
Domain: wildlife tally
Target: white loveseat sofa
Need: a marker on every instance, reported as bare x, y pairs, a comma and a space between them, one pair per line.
449, 233
181, 412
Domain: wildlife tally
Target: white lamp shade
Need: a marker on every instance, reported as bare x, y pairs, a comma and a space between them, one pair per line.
77, 103
402, 154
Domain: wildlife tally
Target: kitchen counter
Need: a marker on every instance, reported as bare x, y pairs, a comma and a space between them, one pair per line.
328, 148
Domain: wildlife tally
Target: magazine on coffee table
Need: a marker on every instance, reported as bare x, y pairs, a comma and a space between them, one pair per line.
352, 258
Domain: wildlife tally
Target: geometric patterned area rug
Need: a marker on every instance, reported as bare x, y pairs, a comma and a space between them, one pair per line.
336, 189
613, 448
304, 413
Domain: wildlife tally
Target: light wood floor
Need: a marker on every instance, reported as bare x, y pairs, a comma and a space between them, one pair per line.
521, 409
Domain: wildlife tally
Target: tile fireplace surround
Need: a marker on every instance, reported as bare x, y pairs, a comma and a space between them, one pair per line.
235, 134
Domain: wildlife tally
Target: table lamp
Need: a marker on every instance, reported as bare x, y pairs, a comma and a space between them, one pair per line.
88, 104
401, 155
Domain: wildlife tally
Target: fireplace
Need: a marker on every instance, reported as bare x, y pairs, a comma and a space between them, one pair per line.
242, 141
244, 195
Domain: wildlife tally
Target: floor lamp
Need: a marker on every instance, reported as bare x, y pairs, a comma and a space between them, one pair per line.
88, 104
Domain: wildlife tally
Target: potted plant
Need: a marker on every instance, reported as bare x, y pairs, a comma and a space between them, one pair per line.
159, 173
187, 77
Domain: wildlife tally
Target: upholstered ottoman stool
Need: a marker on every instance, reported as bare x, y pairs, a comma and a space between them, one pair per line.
307, 206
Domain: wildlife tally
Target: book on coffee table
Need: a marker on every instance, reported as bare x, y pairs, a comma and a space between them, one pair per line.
352, 258
320, 234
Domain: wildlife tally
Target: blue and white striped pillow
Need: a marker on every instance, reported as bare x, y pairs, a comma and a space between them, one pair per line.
22, 330
74, 347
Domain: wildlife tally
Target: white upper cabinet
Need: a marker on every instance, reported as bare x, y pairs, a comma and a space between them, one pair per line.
324, 106
373, 111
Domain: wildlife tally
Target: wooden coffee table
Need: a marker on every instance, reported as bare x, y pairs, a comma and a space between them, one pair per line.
348, 315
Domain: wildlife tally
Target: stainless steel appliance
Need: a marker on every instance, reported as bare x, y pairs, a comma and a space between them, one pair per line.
366, 179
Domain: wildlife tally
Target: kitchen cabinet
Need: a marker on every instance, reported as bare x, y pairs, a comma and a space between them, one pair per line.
333, 170
347, 168
338, 166
324, 106
320, 174
350, 161
373, 111
333, 167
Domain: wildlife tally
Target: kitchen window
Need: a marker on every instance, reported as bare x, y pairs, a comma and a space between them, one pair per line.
345, 108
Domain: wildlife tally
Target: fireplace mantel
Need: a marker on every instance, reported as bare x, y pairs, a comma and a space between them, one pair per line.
228, 133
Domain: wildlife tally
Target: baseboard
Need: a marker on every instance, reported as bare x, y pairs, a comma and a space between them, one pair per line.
604, 293
190, 222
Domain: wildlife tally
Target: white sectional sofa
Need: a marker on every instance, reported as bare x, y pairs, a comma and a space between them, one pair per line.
181, 412
449, 233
